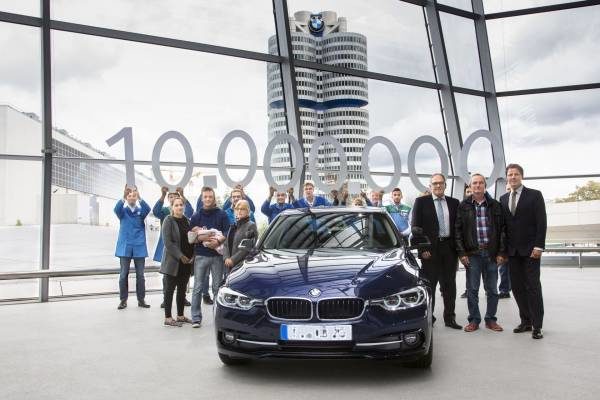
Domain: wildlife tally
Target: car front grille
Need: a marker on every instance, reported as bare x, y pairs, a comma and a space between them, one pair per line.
332, 309
289, 308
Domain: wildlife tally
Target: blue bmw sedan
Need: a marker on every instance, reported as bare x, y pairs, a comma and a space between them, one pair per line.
326, 283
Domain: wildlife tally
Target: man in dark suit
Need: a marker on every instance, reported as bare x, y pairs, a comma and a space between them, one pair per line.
434, 217
525, 216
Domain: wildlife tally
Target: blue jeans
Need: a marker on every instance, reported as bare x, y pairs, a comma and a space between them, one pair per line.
202, 266
504, 286
481, 265
140, 281
205, 291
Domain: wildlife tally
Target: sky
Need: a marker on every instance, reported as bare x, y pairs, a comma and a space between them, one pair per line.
102, 85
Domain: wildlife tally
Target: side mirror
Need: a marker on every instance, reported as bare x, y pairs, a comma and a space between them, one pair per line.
246, 244
420, 246
419, 240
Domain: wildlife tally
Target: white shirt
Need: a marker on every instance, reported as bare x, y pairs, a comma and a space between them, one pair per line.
446, 212
130, 207
518, 192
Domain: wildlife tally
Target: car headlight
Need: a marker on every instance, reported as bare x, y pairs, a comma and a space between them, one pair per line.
232, 299
401, 301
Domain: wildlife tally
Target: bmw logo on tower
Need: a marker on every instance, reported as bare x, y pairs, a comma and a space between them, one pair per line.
316, 24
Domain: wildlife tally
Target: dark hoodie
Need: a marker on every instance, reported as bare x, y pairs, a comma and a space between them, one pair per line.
209, 218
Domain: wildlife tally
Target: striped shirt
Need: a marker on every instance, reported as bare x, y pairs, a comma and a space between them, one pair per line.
483, 223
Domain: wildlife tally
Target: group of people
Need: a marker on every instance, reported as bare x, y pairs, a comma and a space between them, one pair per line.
483, 234
190, 243
479, 231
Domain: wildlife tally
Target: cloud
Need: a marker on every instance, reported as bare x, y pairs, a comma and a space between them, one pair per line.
549, 49
240, 24
20, 68
82, 58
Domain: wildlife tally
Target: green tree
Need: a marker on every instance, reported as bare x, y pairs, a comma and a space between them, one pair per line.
589, 191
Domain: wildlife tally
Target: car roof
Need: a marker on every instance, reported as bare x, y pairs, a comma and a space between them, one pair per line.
335, 209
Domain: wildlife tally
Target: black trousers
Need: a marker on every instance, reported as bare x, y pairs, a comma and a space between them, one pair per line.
527, 289
180, 282
441, 267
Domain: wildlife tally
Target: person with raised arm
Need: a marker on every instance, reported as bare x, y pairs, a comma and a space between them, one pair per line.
132, 211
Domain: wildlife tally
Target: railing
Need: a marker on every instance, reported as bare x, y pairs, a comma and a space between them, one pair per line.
57, 273
54, 273
578, 250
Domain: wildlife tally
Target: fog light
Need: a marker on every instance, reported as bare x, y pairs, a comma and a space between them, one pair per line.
229, 337
411, 338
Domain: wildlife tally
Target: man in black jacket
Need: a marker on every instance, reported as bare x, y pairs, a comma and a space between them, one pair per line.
481, 246
433, 216
525, 215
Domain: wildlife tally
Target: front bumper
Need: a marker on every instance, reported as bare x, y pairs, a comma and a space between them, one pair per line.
377, 334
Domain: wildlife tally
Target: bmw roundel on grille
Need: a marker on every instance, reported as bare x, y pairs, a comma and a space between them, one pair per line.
314, 292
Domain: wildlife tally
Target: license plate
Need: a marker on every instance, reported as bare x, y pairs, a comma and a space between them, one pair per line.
316, 332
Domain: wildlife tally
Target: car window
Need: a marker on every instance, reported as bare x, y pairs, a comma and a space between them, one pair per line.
331, 230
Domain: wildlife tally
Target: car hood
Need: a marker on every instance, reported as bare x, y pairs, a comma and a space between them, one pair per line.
336, 273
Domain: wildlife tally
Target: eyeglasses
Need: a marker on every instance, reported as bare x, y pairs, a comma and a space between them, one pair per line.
438, 183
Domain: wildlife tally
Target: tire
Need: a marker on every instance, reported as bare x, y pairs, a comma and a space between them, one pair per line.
423, 362
225, 359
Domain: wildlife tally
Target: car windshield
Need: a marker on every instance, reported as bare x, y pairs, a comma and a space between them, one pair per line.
331, 230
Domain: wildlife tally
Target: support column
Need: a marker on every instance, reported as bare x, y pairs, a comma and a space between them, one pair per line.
288, 79
46, 150
491, 101
442, 70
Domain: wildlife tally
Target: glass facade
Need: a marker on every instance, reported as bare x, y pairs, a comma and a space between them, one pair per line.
401, 70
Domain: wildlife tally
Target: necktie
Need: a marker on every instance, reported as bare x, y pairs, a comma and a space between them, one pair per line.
513, 202
440, 216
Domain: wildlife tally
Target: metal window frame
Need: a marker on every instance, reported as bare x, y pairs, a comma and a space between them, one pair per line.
542, 9
446, 91
487, 77
285, 59
289, 88
46, 150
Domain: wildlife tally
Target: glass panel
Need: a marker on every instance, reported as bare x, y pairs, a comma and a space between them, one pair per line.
101, 86
84, 226
463, 4
19, 289
554, 126
472, 116
20, 90
26, 7
571, 220
403, 114
223, 23
20, 214
73, 286
390, 38
352, 110
461, 48
492, 6
549, 49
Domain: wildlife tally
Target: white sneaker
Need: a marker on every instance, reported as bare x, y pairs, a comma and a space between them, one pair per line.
195, 324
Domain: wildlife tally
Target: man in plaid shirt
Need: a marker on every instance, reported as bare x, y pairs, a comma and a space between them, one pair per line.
480, 241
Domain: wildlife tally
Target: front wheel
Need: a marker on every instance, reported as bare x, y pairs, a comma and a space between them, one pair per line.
423, 362
225, 359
